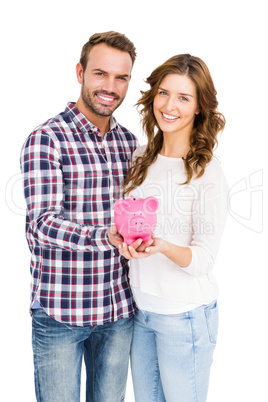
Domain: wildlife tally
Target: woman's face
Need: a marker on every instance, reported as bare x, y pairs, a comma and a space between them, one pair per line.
175, 105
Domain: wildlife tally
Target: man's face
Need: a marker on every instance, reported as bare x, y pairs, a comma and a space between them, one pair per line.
105, 79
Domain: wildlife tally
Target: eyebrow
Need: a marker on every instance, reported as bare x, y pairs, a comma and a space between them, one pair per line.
179, 93
105, 72
100, 70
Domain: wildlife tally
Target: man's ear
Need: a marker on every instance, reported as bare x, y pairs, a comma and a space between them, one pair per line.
79, 73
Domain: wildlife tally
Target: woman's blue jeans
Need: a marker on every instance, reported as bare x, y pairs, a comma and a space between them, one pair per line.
171, 355
58, 352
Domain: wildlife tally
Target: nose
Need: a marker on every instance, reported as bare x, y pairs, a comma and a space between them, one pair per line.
109, 85
170, 105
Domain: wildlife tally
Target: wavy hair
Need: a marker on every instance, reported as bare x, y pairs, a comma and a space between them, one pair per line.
208, 123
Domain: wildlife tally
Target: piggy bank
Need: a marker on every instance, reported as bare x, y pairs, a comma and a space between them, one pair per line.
135, 218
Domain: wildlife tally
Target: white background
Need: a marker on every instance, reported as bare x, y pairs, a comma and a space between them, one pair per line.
40, 46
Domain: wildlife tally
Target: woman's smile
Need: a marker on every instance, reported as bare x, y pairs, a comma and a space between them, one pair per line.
169, 118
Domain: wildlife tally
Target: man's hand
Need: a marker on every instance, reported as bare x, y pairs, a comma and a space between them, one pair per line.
114, 236
117, 241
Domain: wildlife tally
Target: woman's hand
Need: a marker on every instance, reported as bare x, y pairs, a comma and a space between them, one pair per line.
142, 250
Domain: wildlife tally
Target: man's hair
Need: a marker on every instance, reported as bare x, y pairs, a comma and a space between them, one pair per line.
111, 38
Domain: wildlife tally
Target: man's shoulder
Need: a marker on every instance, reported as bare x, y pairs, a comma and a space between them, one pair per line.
54, 122
125, 132
50, 132
54, 126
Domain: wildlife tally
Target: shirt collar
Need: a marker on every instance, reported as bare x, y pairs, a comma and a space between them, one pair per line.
82, 122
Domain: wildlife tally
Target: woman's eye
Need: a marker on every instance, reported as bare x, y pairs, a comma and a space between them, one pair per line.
183, 98
162, 93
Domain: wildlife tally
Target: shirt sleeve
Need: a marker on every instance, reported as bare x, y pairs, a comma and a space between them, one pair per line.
209, 216
43, 184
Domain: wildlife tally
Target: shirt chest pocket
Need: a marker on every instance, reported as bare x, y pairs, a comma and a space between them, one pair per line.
86, 194
83, 178
120, 163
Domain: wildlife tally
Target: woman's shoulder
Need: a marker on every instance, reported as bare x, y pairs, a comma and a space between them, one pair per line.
214, 167
139, 151
214, 176
213, 173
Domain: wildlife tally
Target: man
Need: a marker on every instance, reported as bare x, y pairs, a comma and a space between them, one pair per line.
73, 166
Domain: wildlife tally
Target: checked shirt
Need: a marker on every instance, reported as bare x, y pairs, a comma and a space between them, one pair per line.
72, 178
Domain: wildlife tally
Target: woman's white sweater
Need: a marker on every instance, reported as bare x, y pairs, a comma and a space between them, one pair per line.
191, 216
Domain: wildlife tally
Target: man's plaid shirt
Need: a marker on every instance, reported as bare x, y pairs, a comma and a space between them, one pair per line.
72, 178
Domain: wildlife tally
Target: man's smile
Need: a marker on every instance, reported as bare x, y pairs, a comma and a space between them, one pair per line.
105, 98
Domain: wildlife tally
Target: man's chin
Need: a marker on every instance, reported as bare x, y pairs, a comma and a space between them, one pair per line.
104, 113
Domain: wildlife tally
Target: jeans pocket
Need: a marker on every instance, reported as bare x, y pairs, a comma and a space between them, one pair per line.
212, 318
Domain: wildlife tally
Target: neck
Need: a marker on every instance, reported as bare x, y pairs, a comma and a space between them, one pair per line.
174, 147
102, 122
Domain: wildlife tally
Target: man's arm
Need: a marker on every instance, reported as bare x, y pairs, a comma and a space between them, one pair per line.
44, 195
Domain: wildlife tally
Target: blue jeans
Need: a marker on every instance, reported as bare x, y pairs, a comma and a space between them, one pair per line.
171, 355
58, 351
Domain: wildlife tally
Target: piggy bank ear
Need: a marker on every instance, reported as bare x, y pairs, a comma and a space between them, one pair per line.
121, 206
151, 204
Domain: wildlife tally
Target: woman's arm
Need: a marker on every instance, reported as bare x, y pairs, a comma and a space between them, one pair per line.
181, 256
208, 219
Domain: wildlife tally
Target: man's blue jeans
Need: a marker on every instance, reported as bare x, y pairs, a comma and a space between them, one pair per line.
171, 355
58, 351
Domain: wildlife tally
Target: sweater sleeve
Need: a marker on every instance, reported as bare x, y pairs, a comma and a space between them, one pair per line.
44, 194
209, 216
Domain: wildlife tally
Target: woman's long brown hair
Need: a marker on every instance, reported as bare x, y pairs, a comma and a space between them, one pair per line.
208, 123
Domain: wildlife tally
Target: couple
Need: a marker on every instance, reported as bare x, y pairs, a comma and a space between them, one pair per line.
75, 166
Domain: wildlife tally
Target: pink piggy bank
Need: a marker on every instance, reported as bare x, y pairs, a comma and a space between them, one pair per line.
135, 218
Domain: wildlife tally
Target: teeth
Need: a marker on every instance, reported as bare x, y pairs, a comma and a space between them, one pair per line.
106, 99
168, 116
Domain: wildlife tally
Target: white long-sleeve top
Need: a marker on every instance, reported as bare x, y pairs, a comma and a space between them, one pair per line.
191, 216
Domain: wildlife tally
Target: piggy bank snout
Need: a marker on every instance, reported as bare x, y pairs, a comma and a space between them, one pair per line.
137, 223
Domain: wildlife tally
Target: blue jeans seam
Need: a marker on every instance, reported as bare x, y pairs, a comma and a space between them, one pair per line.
207, 312
38, 397
158, 382
93, 364
194, 356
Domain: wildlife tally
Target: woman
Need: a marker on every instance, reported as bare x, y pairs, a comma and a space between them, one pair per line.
175, 291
